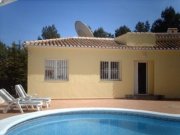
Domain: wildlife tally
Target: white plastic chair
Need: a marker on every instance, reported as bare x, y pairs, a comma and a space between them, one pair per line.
18, 103
22, 94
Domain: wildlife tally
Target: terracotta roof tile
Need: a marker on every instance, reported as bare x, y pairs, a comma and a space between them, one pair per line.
162, 43
168, 41
76, 42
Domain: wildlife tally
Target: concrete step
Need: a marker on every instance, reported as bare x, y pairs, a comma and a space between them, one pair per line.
145, 97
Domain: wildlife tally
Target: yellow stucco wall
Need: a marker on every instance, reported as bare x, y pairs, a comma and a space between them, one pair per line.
167, 74
84, 72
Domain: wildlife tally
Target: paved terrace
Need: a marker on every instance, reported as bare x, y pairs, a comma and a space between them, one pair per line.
172, 107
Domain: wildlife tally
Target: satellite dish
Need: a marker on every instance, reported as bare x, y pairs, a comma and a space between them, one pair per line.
82, 30
5, 2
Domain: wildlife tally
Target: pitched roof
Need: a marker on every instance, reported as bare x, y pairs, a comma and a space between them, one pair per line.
166, 40
81, 42
106, 43
158, 41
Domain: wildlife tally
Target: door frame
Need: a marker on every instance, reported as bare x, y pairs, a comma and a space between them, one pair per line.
136, 91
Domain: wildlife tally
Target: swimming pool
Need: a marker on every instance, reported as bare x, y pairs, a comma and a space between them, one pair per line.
94, 121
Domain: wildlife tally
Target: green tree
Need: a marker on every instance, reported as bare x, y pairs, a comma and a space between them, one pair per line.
3, 57
3, 51
49, 32
122, 30
142, 27
169, 19
100, 32
13, 66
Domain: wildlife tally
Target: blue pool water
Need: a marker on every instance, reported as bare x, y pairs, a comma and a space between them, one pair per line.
97, 123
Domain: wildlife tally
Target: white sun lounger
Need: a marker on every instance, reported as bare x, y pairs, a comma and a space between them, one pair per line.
22, 94
17, 103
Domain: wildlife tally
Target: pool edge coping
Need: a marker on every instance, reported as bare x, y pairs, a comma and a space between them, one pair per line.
7, 123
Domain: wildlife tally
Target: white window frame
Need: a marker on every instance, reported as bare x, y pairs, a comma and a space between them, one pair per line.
56, 68
109, 72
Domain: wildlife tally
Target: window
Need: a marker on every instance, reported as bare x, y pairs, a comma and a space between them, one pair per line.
56, 70
109, 70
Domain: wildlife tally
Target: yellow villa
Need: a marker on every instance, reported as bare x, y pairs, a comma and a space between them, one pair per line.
89, 67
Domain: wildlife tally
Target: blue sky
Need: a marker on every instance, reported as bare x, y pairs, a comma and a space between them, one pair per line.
24, 19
